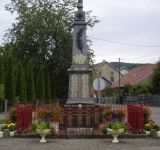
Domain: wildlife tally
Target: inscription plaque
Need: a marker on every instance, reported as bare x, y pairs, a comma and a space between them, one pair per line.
79, 115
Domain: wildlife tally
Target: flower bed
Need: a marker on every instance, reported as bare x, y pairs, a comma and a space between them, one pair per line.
46, 117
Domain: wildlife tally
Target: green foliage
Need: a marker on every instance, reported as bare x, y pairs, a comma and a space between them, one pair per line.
115, 125
12, 126
53, 88
141, 88
137, 89
1, 71
110, 91
12, 118
9, 81
33, 126
147, 127
30, 83
43, 32
103, 128
155, 79
157, 127
1, 95
1, 91
2, 121
47, 85
42, 125
40, 93
127, 90
20, 84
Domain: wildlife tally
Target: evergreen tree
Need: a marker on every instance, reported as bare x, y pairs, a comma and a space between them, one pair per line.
20, 87
155, 79
1, 71
40, 92
24, 81
9, 82
47, 85
53, 89
30, 83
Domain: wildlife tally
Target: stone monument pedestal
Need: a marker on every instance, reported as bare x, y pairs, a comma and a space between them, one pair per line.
79, 73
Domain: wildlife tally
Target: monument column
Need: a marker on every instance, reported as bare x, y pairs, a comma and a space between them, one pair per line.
79, 73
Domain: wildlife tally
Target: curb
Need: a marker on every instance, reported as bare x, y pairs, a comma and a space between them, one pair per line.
81, 136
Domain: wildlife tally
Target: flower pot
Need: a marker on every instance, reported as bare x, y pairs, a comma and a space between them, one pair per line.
1, 133
115, 134
12, 133
158, 133
43, 134
147, 132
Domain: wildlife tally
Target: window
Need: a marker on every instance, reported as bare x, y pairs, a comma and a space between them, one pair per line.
112, 79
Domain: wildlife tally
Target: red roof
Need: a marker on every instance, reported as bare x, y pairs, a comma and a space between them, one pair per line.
136, 75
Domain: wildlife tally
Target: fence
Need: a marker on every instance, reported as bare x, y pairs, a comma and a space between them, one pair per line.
147, 100
85, 119
135, 116
24, 117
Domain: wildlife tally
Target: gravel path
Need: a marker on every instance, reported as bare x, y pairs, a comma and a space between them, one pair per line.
79, 144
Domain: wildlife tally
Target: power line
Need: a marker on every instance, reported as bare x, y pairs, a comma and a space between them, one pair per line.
143, 56
124, 43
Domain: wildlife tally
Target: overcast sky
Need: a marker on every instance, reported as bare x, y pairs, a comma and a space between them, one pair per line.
124, 26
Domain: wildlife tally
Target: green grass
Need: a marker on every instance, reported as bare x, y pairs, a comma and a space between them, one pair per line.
3, 121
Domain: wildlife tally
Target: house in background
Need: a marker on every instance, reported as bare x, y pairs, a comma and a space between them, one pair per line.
123, 70
140, 74
108, 72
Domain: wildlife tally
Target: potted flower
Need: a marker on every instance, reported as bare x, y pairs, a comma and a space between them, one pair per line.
116, 114
115, 128
157, 127
114, 122
4, 126
50, 113
12, 128
147, 128
43, 129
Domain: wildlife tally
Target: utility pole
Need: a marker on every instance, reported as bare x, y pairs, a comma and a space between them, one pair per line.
99, 88
119, 82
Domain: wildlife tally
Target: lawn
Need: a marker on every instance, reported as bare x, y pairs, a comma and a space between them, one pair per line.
3, 121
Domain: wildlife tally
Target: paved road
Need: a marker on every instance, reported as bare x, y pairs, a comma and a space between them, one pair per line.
155, 114
79, 144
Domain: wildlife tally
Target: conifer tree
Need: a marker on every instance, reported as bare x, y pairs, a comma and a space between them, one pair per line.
47, 85
40, 93
30, 91
155, 79
9, 81
20, 85
53, 89
1, 71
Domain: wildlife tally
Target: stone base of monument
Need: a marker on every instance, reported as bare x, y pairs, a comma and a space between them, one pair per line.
80, 133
